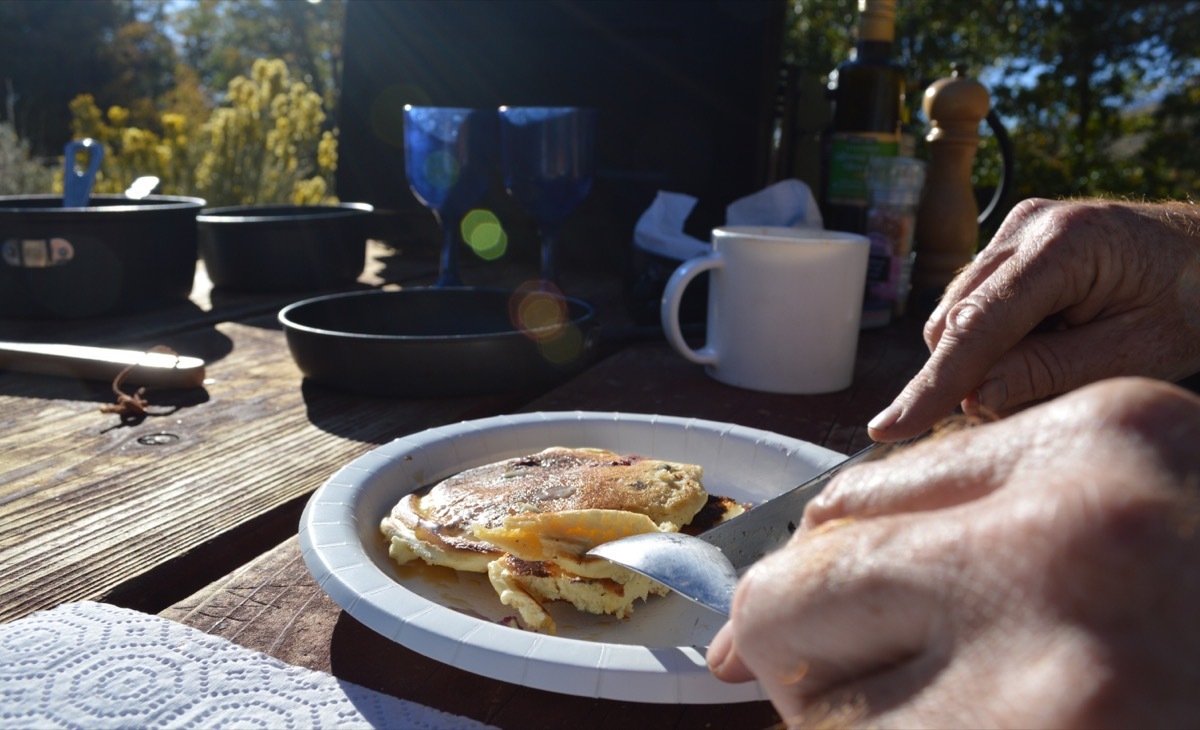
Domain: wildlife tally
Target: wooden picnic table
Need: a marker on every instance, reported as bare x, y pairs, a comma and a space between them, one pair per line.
191, 511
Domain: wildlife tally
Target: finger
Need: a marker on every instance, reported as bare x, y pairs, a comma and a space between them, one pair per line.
723, 659
802, 614
934, 392
979, 330
1009, 289
946, 469
1003, 245
1048, 364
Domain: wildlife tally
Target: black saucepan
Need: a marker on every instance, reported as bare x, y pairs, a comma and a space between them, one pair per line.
282, 248
113, 256
447, 341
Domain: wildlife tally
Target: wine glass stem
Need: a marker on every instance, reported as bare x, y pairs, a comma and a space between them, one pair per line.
549, 236
448, 266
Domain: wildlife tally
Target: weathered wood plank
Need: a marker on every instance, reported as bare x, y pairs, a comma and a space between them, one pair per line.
273, 605
145, 511
90, 503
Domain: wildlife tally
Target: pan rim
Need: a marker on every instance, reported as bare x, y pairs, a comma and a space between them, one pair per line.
243, 214
286, 316
158, 203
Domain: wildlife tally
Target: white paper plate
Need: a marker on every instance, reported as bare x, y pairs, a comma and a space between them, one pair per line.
657, 655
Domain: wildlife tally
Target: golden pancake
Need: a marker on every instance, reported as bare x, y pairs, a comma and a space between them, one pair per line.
526, 586
439, 525
528, 521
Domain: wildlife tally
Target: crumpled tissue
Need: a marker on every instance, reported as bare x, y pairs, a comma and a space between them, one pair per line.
659, 230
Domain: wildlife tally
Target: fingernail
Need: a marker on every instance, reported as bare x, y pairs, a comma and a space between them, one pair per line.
886, 418
992, 395
794, 676
718, 649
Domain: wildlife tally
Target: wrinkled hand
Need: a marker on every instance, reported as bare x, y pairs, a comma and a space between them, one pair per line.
1066, 293
1042, 570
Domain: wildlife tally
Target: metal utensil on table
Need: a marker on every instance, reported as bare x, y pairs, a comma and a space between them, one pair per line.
705, 568
78, 181
156, 369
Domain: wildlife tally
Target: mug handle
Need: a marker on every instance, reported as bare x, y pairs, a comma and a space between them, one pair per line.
673, 295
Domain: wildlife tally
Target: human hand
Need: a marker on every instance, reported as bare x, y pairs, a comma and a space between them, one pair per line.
1067, 293
1042, 570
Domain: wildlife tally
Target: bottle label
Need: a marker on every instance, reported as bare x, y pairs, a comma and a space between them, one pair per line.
849, 155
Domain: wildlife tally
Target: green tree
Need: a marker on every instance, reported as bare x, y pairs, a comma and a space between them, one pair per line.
221, 40
1167, 165
141, 63
49, 53
1071, 78
1080, 72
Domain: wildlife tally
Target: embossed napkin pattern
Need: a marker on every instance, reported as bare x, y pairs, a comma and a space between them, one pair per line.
91, 665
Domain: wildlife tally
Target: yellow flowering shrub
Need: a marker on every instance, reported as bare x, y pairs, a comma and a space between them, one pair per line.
264, 144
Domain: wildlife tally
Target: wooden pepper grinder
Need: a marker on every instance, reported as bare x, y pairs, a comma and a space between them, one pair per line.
947, 232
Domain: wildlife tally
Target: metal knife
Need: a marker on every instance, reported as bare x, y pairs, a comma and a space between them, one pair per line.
705, 569
766, 527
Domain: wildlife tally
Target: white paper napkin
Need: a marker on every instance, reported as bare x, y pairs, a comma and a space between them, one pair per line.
789, 203
91, 665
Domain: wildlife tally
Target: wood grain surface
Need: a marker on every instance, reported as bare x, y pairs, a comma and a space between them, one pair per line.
143, 511
131, 511
191, 510
273, 605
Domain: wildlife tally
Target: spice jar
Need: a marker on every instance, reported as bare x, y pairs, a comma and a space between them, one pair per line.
894, 190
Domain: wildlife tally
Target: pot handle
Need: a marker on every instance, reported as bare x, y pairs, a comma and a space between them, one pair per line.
1006, 169
36, 253
77, 182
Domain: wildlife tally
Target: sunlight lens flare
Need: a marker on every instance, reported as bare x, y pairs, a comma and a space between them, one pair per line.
482, 231
539, 311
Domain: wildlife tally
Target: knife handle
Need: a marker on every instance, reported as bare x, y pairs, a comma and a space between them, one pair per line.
154, 369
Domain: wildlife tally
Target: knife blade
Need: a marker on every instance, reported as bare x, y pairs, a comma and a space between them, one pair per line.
705, 569
766, 527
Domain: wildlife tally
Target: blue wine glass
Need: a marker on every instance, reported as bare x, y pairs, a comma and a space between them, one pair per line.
549, 156
449, 156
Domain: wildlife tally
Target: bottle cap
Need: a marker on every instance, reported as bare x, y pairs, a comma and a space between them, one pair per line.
877, 20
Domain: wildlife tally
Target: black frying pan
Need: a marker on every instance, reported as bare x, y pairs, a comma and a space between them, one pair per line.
447, 341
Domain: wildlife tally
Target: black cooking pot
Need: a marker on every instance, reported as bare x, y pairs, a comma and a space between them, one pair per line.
448, 341
280, 248
115, 256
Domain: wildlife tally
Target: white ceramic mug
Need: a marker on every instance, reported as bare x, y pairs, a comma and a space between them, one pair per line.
784, 306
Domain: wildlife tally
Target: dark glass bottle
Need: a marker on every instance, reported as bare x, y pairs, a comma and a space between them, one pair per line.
868, 98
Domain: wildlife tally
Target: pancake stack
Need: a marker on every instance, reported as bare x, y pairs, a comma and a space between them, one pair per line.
527, 523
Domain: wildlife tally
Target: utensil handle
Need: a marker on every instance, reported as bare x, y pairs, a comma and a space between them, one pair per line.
154, 369
77, 183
